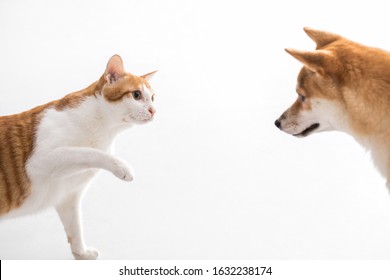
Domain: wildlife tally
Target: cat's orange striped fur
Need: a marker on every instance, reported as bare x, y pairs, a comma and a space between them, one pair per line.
16, 144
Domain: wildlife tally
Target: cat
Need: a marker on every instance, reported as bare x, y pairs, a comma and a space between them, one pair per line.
49, 154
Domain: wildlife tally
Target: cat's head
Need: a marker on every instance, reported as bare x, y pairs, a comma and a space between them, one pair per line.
130, 97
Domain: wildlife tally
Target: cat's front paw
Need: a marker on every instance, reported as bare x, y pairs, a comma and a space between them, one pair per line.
88, 254
123, 171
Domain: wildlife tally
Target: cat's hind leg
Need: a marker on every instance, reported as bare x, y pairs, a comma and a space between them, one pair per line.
70, 215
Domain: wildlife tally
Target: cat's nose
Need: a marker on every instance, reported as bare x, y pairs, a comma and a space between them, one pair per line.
152, 111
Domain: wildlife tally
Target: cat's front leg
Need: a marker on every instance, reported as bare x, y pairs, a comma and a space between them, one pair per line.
122, 170
68, 161
70, 215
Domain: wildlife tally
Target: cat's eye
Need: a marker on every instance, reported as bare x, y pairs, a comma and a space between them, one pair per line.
137, 94
152, 98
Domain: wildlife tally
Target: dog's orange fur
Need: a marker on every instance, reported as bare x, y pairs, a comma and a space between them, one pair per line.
354, 75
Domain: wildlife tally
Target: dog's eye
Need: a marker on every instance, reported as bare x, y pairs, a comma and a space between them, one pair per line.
137, 94
302, 98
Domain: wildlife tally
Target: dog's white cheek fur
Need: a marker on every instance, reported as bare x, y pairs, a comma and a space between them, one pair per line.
329, 115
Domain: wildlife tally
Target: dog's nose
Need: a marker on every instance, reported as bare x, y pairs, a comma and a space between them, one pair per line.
277, 123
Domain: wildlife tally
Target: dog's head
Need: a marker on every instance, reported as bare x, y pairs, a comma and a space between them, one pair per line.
318, 106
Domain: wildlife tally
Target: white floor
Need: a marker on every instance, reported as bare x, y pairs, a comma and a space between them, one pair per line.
214, 178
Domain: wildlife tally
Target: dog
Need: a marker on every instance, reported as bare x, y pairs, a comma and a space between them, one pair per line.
343, 86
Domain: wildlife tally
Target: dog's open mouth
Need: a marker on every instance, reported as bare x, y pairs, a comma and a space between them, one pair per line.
308, 130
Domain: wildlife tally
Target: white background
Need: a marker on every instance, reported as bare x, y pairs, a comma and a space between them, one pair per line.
214, 178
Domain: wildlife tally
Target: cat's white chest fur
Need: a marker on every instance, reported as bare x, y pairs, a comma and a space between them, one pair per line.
52, 181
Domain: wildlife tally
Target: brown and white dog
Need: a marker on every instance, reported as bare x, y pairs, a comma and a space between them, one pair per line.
343, 86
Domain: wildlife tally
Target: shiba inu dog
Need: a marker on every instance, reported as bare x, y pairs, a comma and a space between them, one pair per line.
343, 86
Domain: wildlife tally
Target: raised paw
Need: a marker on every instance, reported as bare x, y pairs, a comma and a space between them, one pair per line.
88, 254
123, 171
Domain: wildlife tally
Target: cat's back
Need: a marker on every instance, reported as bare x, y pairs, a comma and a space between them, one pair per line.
16, 145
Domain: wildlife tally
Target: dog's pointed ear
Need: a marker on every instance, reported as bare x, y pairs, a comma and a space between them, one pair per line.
114, 69
314, 60
321, 38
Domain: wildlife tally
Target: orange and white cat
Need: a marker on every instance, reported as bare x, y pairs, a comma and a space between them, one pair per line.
49, 154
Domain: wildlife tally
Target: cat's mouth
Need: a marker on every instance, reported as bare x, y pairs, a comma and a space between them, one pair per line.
139, 119
143, 121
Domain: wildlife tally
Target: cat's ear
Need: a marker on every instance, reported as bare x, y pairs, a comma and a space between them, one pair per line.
114, 69
149, 76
